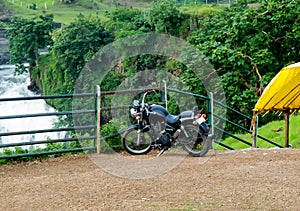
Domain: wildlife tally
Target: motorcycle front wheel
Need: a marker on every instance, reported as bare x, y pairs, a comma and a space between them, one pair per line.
136, 143
195, 143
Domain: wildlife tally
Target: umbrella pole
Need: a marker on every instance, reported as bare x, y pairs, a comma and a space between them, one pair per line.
287, 127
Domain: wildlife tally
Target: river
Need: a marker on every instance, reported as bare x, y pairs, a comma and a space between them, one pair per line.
16, 86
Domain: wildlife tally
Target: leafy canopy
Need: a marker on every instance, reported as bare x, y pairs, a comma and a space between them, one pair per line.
26, 37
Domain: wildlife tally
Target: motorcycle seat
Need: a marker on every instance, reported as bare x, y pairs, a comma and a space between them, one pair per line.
172, 119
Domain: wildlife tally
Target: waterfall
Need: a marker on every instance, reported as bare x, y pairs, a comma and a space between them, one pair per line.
16, 86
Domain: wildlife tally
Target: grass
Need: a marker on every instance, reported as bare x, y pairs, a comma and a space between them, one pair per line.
200, 9
63, 13
66, 13
274, 131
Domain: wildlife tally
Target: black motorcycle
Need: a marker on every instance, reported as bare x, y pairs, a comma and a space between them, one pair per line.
155, 128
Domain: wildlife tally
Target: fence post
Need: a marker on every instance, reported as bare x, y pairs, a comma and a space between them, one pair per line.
212, 112
165, 95
254, 126
212, 118
98, 107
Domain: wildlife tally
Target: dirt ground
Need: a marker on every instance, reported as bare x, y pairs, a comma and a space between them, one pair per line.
240, 180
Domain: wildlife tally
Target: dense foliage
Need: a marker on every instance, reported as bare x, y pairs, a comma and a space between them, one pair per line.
73, 45
246, 46
26, 37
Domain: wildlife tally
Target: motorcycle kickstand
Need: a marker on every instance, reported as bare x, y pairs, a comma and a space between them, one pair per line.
162, 151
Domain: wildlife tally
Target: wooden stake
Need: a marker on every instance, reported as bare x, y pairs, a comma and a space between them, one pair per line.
254, 129
287, 127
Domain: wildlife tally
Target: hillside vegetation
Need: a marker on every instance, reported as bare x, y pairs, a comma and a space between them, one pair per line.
65, 11
247, 46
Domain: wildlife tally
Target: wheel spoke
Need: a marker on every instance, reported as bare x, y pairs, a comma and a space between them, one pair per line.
135, 142
195, 144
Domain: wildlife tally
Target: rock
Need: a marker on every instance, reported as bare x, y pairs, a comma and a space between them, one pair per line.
4, 52
34, 87
5, 16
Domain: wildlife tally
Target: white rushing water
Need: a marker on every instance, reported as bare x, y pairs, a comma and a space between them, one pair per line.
16, 86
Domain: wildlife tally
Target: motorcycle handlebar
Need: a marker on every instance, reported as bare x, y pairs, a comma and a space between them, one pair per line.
144, 96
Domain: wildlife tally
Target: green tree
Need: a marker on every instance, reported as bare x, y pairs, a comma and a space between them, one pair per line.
26, 37
124, 22
73, 46
248, 46
164, 17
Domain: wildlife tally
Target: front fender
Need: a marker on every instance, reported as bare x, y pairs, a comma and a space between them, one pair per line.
137, 126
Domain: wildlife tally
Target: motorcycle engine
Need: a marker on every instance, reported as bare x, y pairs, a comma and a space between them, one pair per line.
164, 140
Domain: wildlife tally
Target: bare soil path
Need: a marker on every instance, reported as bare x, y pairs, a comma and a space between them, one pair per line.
242, 180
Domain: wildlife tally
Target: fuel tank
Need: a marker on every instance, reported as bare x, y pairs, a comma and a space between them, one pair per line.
159, 109
157, 118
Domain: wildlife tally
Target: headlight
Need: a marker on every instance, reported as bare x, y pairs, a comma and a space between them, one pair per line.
133, 112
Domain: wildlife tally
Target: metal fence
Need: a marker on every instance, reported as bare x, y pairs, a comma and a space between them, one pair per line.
92, 140
5, 147
243, 128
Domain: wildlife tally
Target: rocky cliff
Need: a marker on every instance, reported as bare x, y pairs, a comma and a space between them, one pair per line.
5, 16
4, 53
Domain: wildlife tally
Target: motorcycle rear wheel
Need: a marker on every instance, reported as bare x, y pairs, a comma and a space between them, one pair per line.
136, 143
196, 144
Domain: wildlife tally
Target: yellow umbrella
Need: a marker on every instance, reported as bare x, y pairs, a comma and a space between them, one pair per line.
281, 94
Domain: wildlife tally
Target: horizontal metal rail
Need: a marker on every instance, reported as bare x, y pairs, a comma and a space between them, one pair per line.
48, 114
36, 154
223, 145
46, 97
114, 107
236, 125
188, 93
48, 130
235, 137
113, 135
129, 91
269, 141
124, 107
231, 109
46, 141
